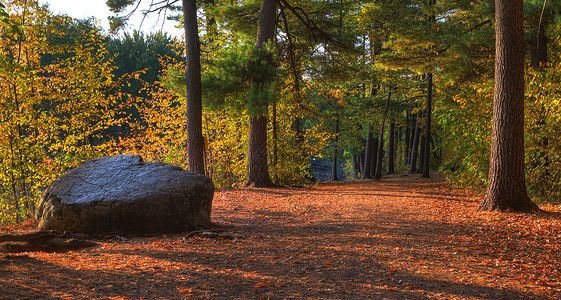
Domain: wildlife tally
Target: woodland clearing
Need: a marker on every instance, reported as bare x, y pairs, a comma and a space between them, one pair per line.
404, 237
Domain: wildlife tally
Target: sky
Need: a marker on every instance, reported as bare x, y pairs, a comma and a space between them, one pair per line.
80, 9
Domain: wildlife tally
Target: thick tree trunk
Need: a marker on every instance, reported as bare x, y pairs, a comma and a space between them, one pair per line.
426, 160
507, 188
267, 22
391, 149
257, 169
194, 114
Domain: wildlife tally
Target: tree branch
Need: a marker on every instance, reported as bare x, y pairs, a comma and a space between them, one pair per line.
310, 25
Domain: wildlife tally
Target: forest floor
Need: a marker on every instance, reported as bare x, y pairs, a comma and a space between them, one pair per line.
400, 238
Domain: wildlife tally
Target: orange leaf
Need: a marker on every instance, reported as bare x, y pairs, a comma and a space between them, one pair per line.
262, 283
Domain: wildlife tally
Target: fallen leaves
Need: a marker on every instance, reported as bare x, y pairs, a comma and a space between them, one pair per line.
398, 238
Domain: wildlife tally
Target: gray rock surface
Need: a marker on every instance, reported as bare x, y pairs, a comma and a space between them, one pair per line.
125, 194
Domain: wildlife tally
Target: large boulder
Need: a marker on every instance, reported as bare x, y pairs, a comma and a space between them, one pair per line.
125, 194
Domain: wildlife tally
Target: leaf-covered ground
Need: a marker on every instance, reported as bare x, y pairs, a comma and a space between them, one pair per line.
400, 238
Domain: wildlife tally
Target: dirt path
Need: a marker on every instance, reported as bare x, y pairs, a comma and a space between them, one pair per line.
401, 238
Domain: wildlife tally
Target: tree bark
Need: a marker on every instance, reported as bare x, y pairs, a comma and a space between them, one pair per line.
507, 188
257, 168
426, 161
194, 114
267, 22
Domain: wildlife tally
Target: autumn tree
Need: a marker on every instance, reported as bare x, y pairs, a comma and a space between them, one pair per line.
56, 103
428, 104
257, 165
9, 25
316, 49
195, 140
507, 187
137, 60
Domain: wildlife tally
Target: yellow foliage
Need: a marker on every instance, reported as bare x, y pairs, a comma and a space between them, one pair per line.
53, 116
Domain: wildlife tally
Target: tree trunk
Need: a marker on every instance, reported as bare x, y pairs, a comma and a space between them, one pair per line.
380, 154
538, 47
507, 187
194, 114
267, 22
426, 161
361, 162
210, 21
368, 154
275, 140
415, 145
335, 149
411, 137
356, 166
538, 61
399, 147
421, 154
297, 131
372, 167
391, 149
406, 151
257, 168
